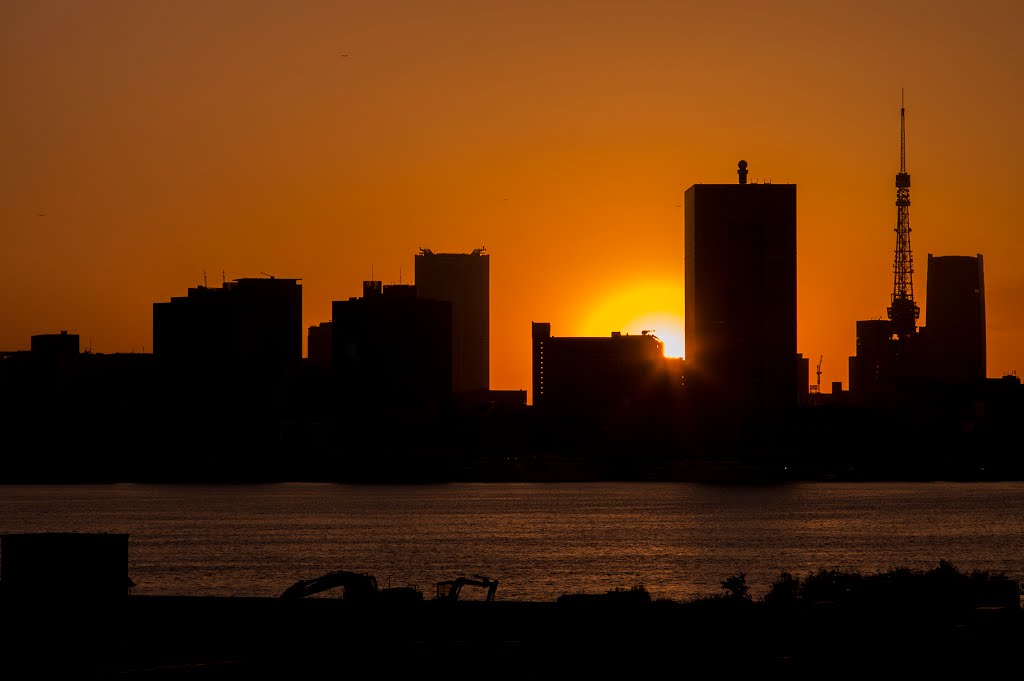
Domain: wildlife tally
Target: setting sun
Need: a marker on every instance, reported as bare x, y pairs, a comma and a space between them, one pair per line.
666, 326
653, 307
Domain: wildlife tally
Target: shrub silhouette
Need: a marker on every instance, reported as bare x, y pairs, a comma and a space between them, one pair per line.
943, 587
736, 587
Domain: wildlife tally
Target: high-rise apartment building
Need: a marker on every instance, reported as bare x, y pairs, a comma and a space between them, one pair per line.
392, 348
463, 279
250, 327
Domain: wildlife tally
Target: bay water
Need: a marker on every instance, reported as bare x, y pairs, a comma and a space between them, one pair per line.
539, 540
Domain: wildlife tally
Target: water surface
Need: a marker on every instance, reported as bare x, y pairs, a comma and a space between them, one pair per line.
540, 540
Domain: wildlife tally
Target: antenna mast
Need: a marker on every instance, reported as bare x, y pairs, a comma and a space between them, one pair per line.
903, 311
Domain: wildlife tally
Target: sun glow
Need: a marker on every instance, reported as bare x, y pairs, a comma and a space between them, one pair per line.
656, 308
666, 326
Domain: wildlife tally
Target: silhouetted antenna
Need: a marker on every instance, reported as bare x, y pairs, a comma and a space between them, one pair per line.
204, 278
903, 139
223, 278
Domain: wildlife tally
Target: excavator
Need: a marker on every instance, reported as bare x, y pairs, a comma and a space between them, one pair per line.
356, 586
449, 589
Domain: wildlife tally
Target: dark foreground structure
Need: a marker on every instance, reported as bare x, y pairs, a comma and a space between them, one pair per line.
229, 638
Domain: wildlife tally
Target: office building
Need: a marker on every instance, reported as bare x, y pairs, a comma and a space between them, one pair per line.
740, 250
954, 338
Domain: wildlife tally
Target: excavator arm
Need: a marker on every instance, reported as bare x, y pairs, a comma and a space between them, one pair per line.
357, 585
450, 589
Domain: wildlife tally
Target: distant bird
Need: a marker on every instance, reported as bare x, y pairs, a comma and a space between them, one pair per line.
40, 215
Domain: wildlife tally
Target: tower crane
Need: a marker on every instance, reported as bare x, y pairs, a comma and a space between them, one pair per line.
816, 388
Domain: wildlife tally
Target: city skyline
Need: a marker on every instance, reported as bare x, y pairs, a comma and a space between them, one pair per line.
152, 149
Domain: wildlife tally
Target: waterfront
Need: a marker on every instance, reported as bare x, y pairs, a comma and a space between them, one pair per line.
679, 540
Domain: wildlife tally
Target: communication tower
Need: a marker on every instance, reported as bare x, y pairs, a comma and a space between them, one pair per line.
903, 311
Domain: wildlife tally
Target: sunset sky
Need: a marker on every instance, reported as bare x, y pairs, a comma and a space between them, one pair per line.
145, 143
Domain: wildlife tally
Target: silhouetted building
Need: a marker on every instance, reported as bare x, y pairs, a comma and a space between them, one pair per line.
615, 389
740, 249
320, 345
54, 361
871, 369
58, 399
463, 279
954, 338
392, 386
250, 328
56, 348
392, 348
228, 361
64, 566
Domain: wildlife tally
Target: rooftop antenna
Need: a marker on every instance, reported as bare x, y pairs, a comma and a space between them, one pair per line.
204, 278
223, 279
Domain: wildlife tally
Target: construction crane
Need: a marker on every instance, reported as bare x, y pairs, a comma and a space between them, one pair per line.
816, 388
903, 311
449, 589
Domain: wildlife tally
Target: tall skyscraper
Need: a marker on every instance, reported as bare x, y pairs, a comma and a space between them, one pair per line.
740, 250
954, 337
463, 279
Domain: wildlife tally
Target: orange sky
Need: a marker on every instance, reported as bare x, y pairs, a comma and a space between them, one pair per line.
162, 139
